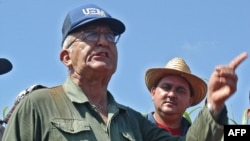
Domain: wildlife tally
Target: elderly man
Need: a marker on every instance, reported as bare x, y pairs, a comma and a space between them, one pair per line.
83, 108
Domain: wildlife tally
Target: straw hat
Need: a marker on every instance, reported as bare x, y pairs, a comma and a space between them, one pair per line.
178, 66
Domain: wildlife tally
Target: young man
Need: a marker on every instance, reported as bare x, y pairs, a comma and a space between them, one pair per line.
173, 89
83, 109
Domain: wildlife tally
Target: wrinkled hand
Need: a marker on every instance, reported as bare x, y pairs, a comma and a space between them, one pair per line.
223, 83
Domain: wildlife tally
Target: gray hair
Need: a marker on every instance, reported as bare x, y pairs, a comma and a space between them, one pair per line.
68, 41
67, 44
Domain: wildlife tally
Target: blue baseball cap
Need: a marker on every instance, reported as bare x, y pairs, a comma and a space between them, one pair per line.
87, 14
5, 66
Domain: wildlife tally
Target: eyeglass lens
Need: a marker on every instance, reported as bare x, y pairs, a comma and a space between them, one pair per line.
94, 36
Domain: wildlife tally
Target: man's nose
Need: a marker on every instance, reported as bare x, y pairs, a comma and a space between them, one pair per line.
102, 40
171, 93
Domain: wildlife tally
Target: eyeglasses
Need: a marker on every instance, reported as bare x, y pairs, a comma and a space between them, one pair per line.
94, 36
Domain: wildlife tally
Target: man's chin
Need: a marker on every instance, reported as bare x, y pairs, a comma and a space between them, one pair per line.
169, 109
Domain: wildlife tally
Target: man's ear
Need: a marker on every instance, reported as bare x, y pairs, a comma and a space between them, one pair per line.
65, 57
152, 92
191, 100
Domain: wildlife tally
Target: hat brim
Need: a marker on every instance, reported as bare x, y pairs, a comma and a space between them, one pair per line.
5, 66
117, 26
198, 85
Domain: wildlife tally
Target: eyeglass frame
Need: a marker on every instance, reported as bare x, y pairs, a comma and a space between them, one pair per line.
83, 33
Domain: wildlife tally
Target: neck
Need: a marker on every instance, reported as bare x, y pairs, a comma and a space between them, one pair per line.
170, 121
95, 89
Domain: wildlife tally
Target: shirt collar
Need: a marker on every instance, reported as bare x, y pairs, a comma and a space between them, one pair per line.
76, 95
74, 92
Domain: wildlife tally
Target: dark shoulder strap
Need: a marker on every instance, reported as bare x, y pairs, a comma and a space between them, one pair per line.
63, 103
57, 91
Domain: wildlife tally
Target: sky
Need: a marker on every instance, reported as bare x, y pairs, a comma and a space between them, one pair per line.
204, 33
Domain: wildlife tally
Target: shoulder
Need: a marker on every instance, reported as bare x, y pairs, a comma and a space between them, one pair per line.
30, 90
38, 100
34, 94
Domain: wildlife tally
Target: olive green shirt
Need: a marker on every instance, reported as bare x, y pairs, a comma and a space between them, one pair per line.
70, 117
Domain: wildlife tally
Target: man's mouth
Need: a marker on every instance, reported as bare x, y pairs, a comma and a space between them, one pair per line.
101, 54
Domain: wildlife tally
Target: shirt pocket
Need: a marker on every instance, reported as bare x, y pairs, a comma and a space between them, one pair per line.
128, 135
70, 130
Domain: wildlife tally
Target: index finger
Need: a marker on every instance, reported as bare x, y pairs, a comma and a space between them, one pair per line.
237, 60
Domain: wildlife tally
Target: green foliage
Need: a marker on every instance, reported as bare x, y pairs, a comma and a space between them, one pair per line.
4, 111
233, 121
246, 117
187, 114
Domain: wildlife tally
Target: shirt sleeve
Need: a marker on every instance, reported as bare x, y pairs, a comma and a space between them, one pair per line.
22, 125
205, 128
